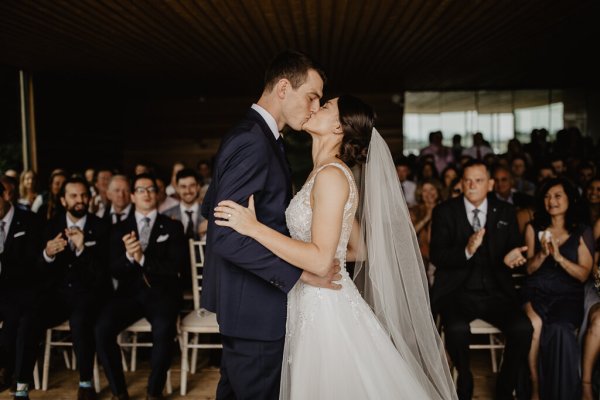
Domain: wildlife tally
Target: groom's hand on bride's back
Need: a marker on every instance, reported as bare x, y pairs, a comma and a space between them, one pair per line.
328, 281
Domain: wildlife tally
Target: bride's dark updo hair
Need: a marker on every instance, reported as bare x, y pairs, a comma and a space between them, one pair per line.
357, 119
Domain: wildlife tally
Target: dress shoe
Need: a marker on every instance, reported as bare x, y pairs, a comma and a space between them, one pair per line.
21, 397
122, 396
86, 393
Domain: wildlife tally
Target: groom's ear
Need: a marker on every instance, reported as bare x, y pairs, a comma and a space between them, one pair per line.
281, 87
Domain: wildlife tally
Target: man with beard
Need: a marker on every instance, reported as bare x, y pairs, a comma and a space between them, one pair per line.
74, 266
19, 243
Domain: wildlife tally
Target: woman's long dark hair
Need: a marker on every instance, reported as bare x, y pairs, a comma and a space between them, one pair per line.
573, 216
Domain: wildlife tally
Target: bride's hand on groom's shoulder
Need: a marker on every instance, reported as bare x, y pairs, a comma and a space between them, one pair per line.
241, 219
328, 281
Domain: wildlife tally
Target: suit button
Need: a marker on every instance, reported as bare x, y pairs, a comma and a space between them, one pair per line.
70, 285
70, 265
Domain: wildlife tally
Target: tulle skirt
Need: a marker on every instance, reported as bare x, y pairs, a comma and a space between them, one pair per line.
335, 348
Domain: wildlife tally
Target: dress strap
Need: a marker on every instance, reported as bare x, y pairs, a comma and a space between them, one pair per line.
337, 165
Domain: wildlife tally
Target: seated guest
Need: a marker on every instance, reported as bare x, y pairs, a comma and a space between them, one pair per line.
99, 203
479, 149
449, 174
592, 199
74, 265
518, 167
51, 205
20, 242
470, 236
589, 333
119, 196
171, 190
503, 187
187, 185
147, 254
559, 260
545, 171
586, 171
29, 198
164, 202
428, 195
455, 188
408, 186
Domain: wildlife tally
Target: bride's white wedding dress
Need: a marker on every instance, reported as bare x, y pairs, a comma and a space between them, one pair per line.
335, 348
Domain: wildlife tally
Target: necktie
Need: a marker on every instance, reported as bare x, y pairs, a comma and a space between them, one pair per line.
71, 245
118, 217
2, 236
189, 230
145, 233
280, 144
476, 220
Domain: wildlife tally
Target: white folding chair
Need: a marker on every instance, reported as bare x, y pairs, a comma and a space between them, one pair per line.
140, 326
197, 322
62, 340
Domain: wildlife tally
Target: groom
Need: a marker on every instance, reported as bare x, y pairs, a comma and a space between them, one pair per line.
244, 283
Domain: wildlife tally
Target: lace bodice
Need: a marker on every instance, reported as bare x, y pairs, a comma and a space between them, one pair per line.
299, 212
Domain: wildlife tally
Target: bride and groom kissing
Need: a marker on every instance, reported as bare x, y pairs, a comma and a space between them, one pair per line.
293, 323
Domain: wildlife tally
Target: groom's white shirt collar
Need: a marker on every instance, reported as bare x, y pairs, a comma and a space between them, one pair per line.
268, 119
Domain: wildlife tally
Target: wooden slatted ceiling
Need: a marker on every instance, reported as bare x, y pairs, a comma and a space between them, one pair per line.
374, 45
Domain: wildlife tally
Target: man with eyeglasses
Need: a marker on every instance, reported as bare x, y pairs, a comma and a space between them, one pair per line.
147, 254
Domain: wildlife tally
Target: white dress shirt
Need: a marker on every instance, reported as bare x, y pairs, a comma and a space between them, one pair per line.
268, 119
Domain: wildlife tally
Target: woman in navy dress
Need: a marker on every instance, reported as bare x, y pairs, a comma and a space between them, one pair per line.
559, 254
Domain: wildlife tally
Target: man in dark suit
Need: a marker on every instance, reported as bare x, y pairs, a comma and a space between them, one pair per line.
470, 237
119, 197
187, 185
244, 283
20, 242
74, 268
147, 254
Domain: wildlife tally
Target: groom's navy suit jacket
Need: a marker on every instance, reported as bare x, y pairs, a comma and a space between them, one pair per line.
243, 282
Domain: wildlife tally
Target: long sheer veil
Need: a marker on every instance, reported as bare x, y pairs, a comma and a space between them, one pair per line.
391, 275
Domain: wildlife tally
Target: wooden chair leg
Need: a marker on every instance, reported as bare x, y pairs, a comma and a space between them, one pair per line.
184, 363
194, 361
46, 366
36, 376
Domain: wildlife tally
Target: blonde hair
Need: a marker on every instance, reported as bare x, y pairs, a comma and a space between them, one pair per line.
23, 193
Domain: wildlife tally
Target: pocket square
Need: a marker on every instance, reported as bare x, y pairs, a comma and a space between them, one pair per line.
16, 235
162, 238
90, 244
501, 224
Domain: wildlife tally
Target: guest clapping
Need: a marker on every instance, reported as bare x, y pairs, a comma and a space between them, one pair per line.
559, 262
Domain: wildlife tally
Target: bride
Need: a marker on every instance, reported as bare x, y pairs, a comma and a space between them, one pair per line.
339, 345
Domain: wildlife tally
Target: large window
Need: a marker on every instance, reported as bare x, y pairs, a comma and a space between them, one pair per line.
499, 115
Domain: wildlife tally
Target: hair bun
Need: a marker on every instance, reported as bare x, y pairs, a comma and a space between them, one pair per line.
357, 119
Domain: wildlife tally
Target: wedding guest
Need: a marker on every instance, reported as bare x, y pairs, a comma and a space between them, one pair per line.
119, 197
164, 202
408, 186
470, 234
442, 155
479, 149
518, 167
592, 199
147, 256
449, 174
428, 195
171, 188
51, 205
589, 332
20, 242
99, 204
29, 198
76, 282
559, 260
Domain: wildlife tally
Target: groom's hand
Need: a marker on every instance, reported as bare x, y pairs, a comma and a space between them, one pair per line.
327, 281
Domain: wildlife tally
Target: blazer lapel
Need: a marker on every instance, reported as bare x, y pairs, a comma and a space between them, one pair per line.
16, 226
255, 116
490, 226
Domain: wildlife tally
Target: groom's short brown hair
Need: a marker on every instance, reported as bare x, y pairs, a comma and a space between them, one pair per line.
293, 66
